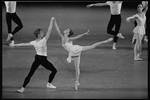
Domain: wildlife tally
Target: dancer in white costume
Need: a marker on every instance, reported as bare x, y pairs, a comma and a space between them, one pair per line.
139, 30
75, 50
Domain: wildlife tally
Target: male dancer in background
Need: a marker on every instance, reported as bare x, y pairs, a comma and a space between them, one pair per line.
11, 15
115, 9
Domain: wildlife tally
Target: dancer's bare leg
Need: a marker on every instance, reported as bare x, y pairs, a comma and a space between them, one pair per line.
85, 48
77, 69
137, 48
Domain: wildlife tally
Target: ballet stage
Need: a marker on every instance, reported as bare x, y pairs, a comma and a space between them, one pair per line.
105, 73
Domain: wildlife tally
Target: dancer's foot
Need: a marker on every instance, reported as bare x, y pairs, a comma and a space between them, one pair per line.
137, 58
114, 46
76, 85
12, 43
9, 37
49, 85
120, 35
21, 90
108, 40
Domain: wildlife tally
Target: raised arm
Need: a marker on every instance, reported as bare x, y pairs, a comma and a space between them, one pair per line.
78, 36
49, 28
97, 4
145, 5
57, 28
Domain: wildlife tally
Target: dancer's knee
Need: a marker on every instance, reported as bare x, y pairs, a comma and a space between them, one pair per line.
108, 31
21, 26
54, 71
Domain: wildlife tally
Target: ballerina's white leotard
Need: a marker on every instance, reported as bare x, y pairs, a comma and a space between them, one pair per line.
140, 28
74, 50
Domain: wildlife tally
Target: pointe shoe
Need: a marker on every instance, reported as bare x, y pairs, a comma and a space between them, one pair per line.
9, 37
120, 35
137, 59
109, 40
76, 85
20, 90
49, 85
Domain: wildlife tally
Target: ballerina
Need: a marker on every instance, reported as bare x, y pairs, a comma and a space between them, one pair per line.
75, 50
139, 30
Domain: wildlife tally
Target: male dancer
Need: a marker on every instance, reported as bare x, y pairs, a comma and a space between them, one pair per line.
40, 45
115, 9
12, 15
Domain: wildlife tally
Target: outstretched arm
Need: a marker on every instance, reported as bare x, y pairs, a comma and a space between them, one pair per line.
49, 28
57, 28
21, 44
97, 4
79, 36
131, 17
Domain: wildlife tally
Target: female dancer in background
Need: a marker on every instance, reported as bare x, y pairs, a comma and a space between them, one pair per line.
139, 30
146, 26
40, 57
75, 50
115, 19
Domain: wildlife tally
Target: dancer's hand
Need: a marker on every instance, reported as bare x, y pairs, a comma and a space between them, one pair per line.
144, 3
127, 20
87, 33
90, 5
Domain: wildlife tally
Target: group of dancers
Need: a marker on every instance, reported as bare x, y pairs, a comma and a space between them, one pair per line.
74, 51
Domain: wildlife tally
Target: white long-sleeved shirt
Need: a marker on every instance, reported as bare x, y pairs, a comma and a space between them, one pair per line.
10, 6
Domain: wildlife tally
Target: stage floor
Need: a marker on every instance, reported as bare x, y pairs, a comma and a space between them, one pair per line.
105, 73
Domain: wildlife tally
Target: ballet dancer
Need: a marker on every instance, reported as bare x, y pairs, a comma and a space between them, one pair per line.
40, 57
139, 30
115, 19
12, 15
75, 50
135, 23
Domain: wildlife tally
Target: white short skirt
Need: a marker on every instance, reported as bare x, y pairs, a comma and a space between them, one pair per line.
75, 50
139, 30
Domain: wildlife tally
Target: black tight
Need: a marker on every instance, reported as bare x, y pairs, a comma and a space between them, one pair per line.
114, 20
44, 62
16, 19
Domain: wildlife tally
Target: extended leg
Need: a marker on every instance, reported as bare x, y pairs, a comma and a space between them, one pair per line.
85, 48
34, 66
